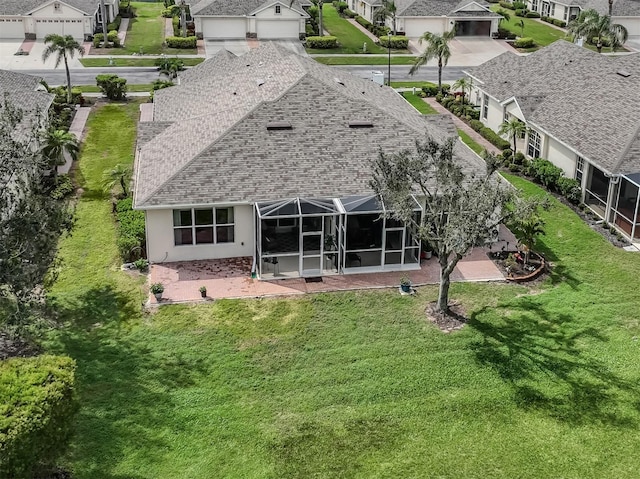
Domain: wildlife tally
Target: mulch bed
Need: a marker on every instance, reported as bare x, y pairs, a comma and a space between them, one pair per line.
15, 347
519, 271
453, 321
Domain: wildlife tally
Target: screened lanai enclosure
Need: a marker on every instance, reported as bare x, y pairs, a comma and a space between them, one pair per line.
318, 237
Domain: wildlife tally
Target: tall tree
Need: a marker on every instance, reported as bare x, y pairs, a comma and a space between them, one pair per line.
461, 210
437, 47
504, 14
63, 47
513, 129
118, 175
465, 85
387, 12
57, 143
591, 25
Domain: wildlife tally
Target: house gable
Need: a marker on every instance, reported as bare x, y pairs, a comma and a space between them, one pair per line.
268, 11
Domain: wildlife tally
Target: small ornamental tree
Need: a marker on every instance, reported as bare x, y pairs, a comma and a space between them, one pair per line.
112, 86
527, 229
461, 210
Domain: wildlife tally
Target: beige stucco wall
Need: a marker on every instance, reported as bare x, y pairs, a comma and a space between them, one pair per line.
559, 155
495, 114
65, 11
160, 242
514, 110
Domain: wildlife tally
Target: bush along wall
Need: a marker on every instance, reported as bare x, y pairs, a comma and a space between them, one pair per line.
37, 405
181, 42
322, 42
471, 115
131, 232
397, 42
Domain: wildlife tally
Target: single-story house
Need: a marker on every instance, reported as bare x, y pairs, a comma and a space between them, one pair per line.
415, 17
269, 156
623, 12
581, 109
34, 19
236, 19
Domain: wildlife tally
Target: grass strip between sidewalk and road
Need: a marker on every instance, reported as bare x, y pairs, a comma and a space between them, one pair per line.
364, 60
470, 142
132, 62
418, 103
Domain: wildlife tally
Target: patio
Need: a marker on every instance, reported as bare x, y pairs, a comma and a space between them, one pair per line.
231, 278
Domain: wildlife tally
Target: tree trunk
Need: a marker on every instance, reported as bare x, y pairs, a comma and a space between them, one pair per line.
183, 19
320, 28
103, 14
599, 45
440, 74
514, 144
124, 186
446, 268
66, 66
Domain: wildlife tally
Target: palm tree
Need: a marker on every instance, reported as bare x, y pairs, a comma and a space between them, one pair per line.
464, 84
437, 47
512, 129
521, 25
527, 230
387, 12
591, 24
62, 47
119, 174
55, 143
504, 14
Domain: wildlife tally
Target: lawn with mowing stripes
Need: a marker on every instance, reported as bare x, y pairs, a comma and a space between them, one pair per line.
542, 382
132, 62
419, 104
363, 60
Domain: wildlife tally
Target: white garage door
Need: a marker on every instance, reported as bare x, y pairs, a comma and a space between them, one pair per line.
11, 28
415, 28
224, 28
278, 29
59, 27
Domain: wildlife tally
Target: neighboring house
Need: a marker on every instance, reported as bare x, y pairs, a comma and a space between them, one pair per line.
415, 17
582, 110
235, 19
624, 12
269, 156
34, 19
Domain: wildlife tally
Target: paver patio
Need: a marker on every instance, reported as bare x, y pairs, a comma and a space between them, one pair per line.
231, 278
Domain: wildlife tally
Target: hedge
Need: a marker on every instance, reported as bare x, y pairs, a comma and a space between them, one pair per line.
350, 13
508, 5
397, 42
363, 21
489, 134
431, 89
322, 42
520, 12
519, 5
181, 42
131, 240
533, 15
37, 406
559, 23
115, 25
524, 42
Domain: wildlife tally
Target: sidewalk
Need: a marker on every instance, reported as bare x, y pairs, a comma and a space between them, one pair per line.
122, 31
475, 136
77, 128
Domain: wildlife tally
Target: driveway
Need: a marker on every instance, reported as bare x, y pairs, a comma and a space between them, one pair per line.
467, 51
237, 47
10, 61
633, 44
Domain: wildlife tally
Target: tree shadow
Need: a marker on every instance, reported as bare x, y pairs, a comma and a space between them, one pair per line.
124, 386
544, 358
558, 273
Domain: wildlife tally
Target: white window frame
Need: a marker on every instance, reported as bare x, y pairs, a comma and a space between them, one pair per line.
485, 106
193, 226
534, 5
579, 173
552, 9
534, 144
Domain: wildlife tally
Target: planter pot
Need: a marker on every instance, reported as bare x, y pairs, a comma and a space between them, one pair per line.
427, 254
158, 296
203, 294
406, 288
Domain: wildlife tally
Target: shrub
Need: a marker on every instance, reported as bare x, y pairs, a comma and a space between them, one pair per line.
172, 11
97, 39
519, 5
477, 125
38, 405
115, 25
431, 89
506, 34
533, 15
397, 42
350, 13
570, 189
160, 84
559, 23
175, 22
508, 5
181, 42
322, 42
363, 21
130, 229
63, 188
60, 93
524, 42
519, 158
112, 86
112, 37
521, 13
341, 7
494, 138
605, 41
545, 172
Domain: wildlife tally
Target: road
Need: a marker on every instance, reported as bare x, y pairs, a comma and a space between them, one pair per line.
137, 75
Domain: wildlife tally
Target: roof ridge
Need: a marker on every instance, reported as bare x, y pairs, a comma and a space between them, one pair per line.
635, 136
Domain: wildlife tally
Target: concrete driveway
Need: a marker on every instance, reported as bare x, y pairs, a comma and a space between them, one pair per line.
469, 51
10, 61
633, 44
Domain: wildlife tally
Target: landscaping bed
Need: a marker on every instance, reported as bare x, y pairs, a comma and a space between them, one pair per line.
513, 266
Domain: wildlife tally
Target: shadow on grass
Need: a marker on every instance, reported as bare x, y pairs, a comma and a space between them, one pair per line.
559, 273
545, 358
124, 385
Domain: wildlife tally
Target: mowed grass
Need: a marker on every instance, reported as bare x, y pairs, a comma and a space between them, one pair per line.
146, 31
470, 142
363, 60
418, 103
542, 34
132, 62
542, 382
351, 39
135, 87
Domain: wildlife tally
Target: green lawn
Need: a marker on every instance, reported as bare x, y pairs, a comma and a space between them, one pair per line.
146, 31
132, 62
542, 34
412, 84
364, 60
470, 142
419, 104
140, 87
543, 382
350, 38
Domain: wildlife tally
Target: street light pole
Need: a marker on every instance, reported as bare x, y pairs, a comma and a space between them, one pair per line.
389, 59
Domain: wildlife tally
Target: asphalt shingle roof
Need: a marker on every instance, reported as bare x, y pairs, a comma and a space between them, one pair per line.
21, 7
21, 91
432, 8
232, 7
214, 145
575, 95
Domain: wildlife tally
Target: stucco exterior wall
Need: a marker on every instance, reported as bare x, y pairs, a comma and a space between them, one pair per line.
414, 27
559, 155
160, 239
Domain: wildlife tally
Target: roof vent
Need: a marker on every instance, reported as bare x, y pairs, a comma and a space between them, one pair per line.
623, 73
338, 81
360, 124
260, 81
279, 125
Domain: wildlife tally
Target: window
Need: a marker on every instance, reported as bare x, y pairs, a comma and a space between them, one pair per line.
485, 106
565, 14
278, 12
533, 148
579, 169
56, 6
552, 9
203, 226
534, 5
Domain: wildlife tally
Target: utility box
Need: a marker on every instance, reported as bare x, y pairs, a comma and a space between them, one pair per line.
377, 77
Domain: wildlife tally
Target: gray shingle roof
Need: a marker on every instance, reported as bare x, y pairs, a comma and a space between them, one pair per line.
575, 95
233, 7
621, 8
21, 91
21, 7
432, 8
218, 149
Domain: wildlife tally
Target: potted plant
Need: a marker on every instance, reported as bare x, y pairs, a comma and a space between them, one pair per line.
203, 291
405, 284
157, 289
